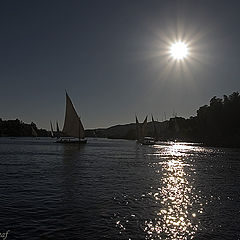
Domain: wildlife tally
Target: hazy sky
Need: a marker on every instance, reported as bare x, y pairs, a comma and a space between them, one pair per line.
112, 58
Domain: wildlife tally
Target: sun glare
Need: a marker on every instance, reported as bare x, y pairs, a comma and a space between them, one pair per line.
179, 50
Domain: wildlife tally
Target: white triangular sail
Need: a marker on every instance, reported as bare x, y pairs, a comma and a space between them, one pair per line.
52, 133
155, 133
72, 125
34, 133
144, 126
141, 128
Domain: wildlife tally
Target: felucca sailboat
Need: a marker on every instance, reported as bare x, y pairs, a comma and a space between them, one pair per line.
52, 132
73, 130
141, 133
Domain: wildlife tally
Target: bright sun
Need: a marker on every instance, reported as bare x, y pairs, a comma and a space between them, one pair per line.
179, 50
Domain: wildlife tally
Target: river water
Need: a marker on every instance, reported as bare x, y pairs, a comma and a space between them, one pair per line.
117, 189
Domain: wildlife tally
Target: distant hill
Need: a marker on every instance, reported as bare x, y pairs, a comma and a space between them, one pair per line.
166, 130
216, 124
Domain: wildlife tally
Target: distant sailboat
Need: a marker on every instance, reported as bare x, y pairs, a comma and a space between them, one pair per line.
52, 133
140, 129
143, 128
73, 130
34, 133
137, 129
141, 133
155, 133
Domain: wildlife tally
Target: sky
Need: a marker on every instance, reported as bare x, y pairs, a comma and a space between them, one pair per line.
113, 58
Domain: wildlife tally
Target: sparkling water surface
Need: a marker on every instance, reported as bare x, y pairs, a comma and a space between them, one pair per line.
117, 189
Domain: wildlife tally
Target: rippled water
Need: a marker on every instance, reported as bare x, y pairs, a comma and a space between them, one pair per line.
116, 189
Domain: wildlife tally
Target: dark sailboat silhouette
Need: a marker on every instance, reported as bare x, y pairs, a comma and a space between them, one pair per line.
155, 132
141, 133
52, 132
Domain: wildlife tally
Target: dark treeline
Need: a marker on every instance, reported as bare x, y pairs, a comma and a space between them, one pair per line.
216, 124
219, 122
17, 128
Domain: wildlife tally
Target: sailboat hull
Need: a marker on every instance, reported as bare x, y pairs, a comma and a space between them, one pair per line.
71, 141
147, 141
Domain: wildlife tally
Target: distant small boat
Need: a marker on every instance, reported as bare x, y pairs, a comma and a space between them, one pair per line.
73, 131
148, 141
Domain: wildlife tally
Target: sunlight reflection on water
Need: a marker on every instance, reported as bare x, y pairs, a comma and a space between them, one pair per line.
117, 189
176, 218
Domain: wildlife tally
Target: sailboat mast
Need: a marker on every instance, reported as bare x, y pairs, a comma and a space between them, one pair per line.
79, 128
58, 131
137, 128
52, 133
155, 133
